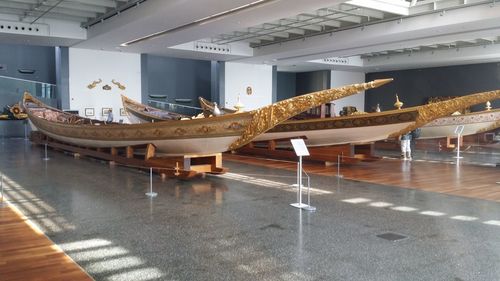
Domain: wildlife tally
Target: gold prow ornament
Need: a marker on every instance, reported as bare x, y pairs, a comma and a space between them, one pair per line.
429, 112
265, 118
120, 86
398, 104
488, 106
93, 84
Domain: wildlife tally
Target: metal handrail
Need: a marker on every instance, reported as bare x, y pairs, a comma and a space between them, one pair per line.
174, 104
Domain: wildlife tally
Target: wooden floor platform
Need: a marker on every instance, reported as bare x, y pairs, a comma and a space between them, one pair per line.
27, 254
462, 180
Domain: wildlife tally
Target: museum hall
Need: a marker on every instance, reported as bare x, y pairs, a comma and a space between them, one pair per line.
342, 140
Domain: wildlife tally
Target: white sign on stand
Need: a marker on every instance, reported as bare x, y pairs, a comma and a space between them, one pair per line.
300, 149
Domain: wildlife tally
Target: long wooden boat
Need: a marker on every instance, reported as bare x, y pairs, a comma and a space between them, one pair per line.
476, 122
369, 127
180, 137
140, 113
208, 107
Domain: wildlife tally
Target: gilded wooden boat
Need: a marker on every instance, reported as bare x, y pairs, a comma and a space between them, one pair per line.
140, 113
208, 107
369, 127
476, 122
180, 137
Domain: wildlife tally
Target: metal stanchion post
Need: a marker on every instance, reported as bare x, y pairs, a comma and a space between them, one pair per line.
309, 207
299, 203
1, 184
300, 180
338, 166
298, 183
458, 146
46, 156
151, 193
25, 130
458, 131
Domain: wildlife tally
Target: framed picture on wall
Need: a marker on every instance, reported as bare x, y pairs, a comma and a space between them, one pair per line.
122, 112
105, 110
89, 111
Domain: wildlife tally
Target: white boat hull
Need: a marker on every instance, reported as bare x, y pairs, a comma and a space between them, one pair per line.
473, 123
170, 147
356, 135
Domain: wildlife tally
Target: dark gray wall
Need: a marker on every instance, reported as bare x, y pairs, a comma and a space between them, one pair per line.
312, 81
274, 94
144, 79
286, 85
176, 78
217, 74
14, 57
41, 59
62, 77
415, 86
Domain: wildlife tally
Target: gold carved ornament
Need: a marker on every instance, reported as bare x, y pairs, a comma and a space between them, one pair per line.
93, 84
118, 84
265, 118
398, 104
429, 112
492, 127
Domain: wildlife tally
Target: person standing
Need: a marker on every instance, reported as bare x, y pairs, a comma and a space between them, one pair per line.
405, 146
110, 116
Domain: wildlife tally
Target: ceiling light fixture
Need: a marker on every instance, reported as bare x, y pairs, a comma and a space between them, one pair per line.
198, 22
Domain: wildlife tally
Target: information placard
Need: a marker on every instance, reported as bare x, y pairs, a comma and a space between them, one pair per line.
300, 147
459, 129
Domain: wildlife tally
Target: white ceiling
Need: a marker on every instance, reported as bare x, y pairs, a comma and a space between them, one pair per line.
295, 35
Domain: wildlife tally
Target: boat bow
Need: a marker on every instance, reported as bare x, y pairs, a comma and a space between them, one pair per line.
265, 118
430, 112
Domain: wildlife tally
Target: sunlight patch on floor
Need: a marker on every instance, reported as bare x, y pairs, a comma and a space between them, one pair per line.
269, 183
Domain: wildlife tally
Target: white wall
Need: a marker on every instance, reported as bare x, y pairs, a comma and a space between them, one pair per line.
86, 66
342, 78
238, 76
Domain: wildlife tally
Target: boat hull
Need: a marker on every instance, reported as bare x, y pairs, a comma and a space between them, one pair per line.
188, 137
473, 123
324, 137
172, 147
353, 129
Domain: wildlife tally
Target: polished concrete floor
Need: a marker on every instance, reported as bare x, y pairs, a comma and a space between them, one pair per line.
240, 226
487, 155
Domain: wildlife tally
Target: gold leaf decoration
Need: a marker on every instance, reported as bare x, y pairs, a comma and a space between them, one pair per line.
235, 126
180, 131
204, 129
118, 84
429, 112
94, 83
269, 116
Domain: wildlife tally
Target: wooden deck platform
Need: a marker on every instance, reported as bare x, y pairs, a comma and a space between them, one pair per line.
27, 254
462, 180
